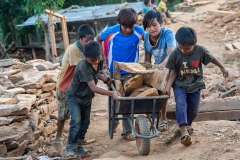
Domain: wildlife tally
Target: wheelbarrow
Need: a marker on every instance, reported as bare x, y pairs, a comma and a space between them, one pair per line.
145, 108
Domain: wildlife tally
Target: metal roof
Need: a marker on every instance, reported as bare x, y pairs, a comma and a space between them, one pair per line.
86, 13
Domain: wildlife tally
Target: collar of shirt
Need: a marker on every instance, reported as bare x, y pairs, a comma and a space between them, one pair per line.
79, 45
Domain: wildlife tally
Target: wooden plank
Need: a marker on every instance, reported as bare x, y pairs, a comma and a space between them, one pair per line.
231, 17
158, 79
226, 110
236, 45
54, 14
30, 42
52, 34
65, 33
135, 68
220, 13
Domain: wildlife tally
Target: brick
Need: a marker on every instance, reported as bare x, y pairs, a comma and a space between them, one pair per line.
8, 73
133, 83
48, 87
149, 92
33, 147
12, 110
54, 115
54, 94
52, 107
44, 95
23, 66
49, 99
12, 145
26, 97
51, 127
14, 91
228, 55
25, 104
138, 91
16, 78
38, 92
8, 101
31, 91
7, 62
3, 150
34, 119
209, 19
19, 151
43, 109
37, 134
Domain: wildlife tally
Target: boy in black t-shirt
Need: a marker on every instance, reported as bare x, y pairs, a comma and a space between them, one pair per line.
186, 78
79, 96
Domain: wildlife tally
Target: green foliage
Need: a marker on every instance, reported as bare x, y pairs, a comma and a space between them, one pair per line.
40, 5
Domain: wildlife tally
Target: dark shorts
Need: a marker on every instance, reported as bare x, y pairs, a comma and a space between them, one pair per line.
63, 112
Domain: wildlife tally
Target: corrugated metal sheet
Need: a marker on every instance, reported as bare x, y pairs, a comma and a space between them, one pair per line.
87, 13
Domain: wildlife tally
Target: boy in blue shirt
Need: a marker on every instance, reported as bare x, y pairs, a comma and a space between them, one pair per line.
158, 42
123, 46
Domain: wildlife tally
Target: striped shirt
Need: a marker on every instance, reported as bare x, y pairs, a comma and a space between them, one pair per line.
122, 48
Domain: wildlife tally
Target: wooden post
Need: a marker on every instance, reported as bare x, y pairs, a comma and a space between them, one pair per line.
52, 34
30, 42
65, 32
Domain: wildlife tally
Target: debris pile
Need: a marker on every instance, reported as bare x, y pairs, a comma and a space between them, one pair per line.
189, 5
28, 110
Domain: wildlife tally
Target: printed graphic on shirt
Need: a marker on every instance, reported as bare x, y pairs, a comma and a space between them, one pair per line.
158, 54
186, 70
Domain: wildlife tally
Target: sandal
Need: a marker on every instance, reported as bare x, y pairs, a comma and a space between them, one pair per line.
71, 156
186, 140
163, 126
83, 152
190, 130
130, 137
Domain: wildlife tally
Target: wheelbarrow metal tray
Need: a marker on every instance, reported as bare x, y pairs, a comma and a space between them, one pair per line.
141, 106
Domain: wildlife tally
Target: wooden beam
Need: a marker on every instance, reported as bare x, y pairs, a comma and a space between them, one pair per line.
52, 34
55, 14
65, 33
30, 42
218, 13
231, 17
227, 110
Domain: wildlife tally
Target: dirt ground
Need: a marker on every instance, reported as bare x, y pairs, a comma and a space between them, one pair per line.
212, 140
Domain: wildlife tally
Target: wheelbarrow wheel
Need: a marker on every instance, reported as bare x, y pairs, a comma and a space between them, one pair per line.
141, 126
110, 118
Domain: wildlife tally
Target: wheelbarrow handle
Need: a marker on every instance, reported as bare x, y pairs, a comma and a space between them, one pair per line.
139, 98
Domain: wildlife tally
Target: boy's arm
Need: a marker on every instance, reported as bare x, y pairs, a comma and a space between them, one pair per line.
219, 64
99, 90
103, 76
172, 78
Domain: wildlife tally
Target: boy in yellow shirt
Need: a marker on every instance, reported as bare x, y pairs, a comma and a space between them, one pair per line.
162, 8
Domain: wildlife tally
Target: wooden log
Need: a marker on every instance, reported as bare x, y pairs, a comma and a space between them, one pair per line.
135, 68
219, 110
158, 79
231, 17
218, 13
54, 13
52, 34
65, 32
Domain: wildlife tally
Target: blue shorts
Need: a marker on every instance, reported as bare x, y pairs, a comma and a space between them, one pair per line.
187, 105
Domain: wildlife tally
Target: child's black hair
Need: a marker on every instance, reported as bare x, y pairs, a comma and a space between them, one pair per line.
186, 35
85, 30
92, 49
150, 16
153, 1
112, 23
146, 2
127, 17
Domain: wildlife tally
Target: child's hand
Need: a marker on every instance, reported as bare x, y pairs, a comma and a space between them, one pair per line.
115, 95
167, 92
225, 72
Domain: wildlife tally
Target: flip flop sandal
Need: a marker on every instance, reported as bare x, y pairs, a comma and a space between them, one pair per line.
190, 130
83, 152
71, 157
130, 137
163, 126
186, 140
